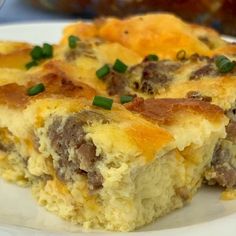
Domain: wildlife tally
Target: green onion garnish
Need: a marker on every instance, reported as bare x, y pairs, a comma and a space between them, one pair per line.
103, 102
47, 50
72, 41
103, 71
181, 55
31, 64
126, 99
119, 66
151, 57
37, 53
223, 64
36, 89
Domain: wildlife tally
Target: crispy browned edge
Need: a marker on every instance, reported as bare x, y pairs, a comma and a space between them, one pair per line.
57, 84
164, 110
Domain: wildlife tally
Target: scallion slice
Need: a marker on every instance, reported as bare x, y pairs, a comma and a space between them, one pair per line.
36, 89
31, 64
72, 41
47, 50
103, 102
126, 99
223, 64
103, 71
151, 57
119, 66
37, 53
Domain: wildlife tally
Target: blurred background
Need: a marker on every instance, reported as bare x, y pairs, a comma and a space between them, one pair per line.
219, 14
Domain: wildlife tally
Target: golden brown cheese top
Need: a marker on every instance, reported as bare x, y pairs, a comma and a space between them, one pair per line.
56, 85
164, 111
162, 34
13, 95
10, 47
14, 54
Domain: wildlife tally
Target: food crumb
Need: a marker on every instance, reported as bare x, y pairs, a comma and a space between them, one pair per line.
229, 194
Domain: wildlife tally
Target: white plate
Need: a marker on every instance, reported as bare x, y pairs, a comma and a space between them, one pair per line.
20, 215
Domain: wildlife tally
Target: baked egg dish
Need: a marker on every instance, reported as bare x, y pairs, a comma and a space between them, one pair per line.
111, 129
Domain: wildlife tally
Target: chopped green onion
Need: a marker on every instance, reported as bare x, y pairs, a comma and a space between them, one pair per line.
103, 71
47, 50
37, 53
181, 55
72, 41
119, 66
36, 89
31, 64
103, 102
223, 64
126, 99
151, 57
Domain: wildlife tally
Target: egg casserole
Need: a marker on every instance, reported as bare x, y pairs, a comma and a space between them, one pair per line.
179, 61
121, 166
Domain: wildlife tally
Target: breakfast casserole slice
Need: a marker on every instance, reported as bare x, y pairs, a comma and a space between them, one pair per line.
210, 79
114, 169
179, 60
